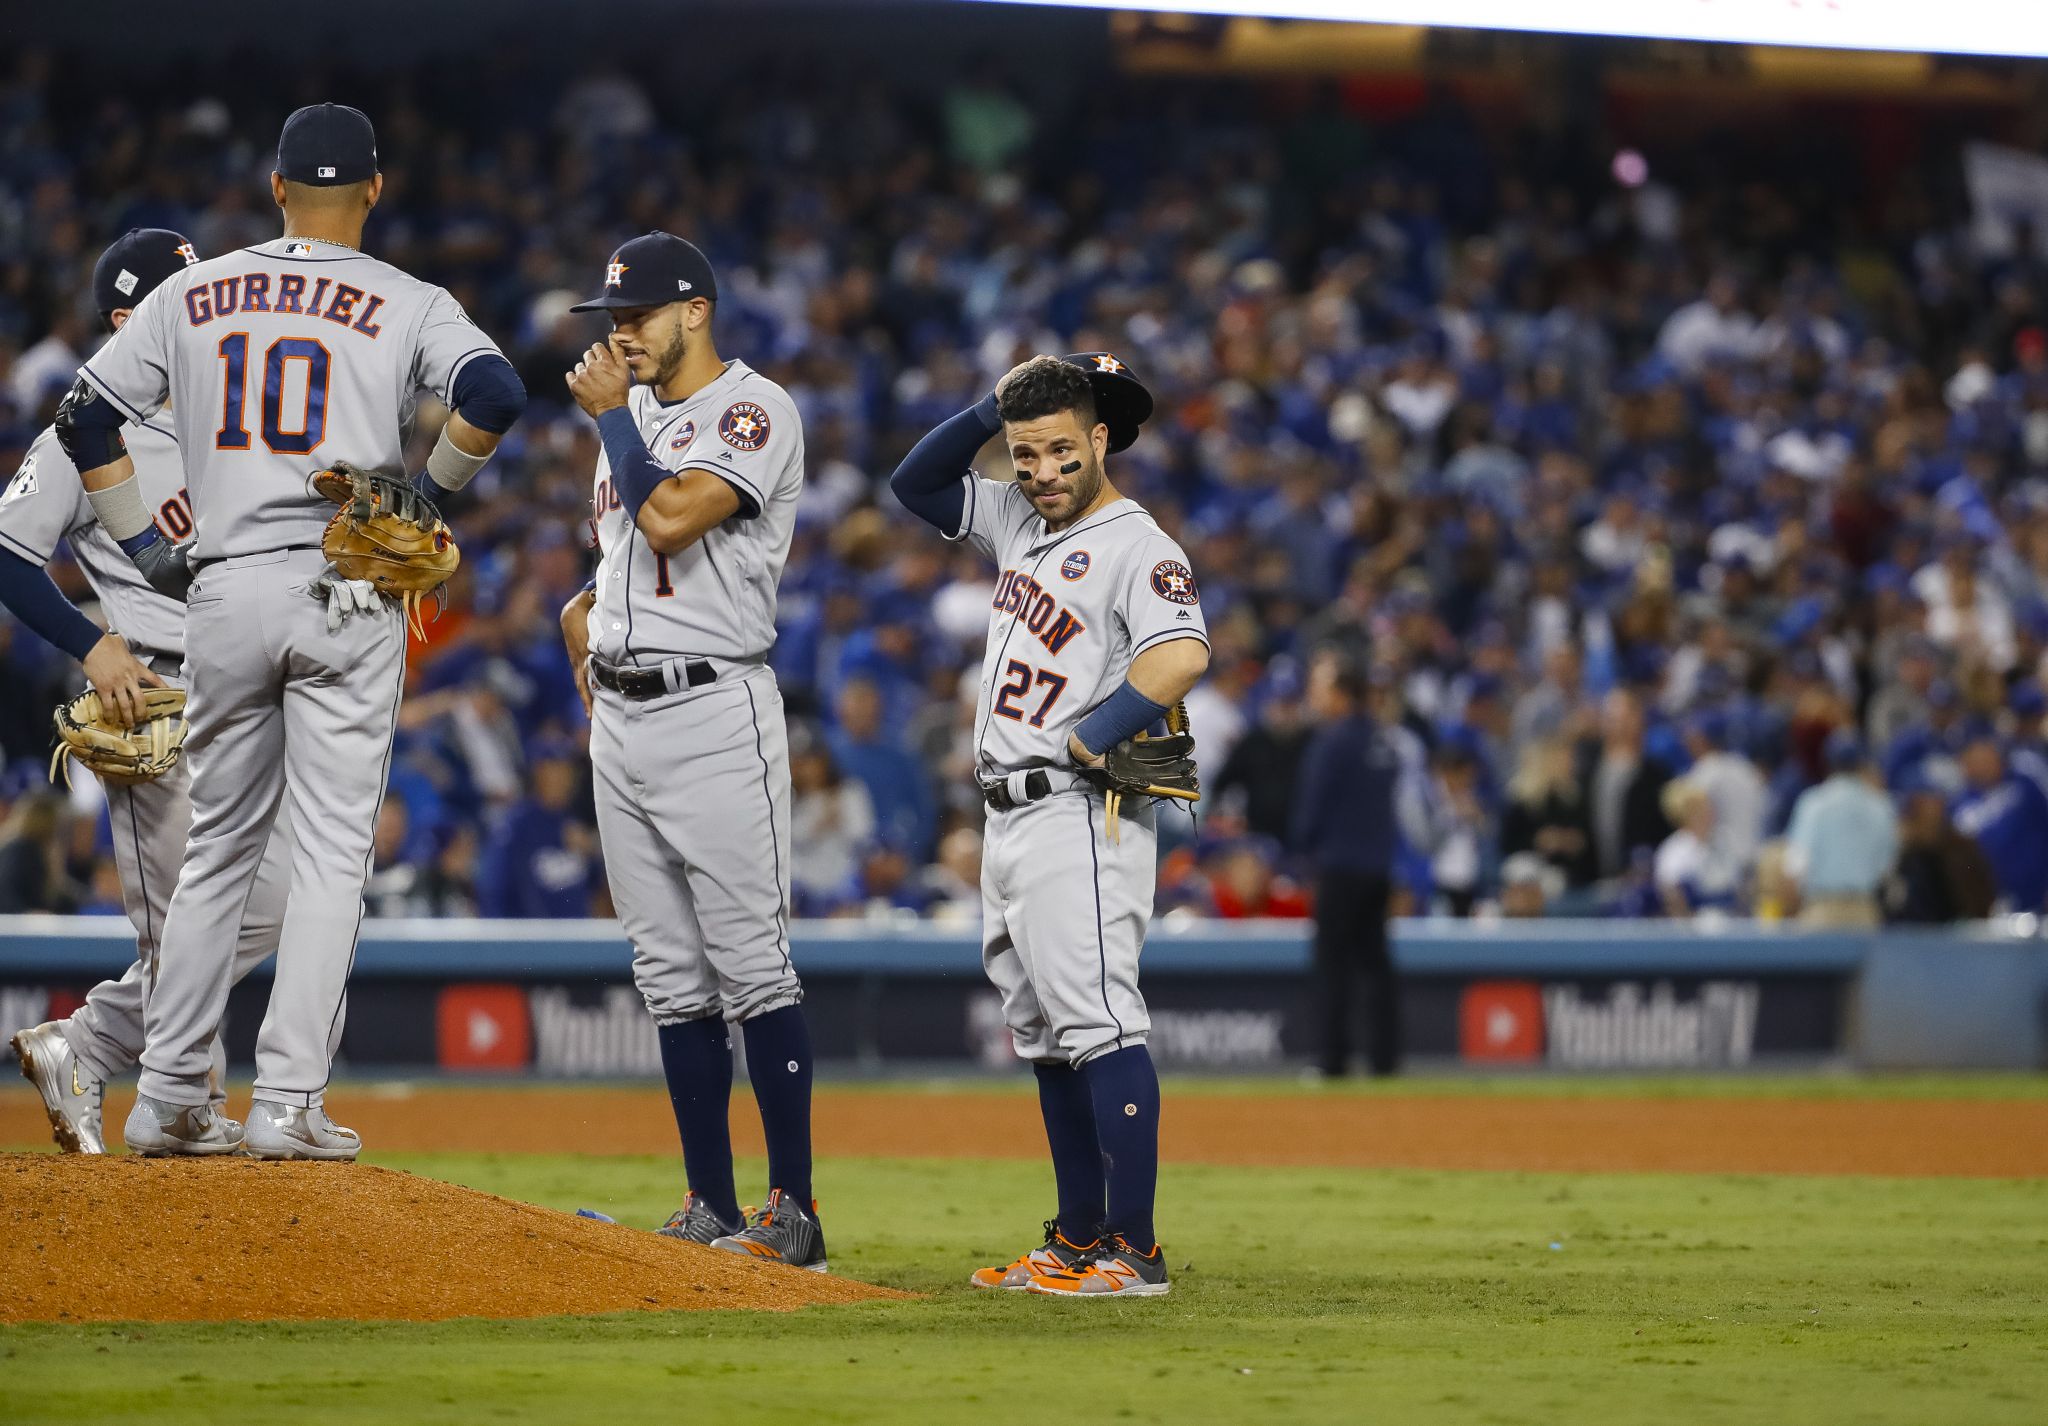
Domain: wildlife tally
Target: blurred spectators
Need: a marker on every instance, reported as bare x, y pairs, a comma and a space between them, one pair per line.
832, 823
1843, 840
1693, 874
1692, 481
1942, 875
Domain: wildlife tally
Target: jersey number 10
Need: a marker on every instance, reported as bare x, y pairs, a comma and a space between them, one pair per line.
309, 422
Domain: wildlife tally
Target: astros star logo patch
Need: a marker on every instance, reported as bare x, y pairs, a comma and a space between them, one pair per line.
744, 426
1174, 582
614, 272
187, 252
1108, 363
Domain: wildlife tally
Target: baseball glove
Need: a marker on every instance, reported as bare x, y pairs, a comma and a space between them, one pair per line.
1145, 766
114, 754
388, 533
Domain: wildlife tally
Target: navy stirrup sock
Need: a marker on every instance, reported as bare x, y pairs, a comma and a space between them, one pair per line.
779, 1063
1125, 1091
696, 1058
1076, 1158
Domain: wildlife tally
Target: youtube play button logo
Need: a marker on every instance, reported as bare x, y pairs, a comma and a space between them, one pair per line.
484, 1027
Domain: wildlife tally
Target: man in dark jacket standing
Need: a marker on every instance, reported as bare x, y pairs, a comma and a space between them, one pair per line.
1344, 826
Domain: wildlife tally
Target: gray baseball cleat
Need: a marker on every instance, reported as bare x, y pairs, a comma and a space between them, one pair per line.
156, 1129
286, 1131
696, 1222
73, 1096
784, 1231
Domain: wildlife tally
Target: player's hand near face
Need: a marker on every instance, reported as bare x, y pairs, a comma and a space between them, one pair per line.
119, 677
576, 635
601, 380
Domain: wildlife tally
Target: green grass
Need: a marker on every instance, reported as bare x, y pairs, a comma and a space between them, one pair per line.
1300, 1296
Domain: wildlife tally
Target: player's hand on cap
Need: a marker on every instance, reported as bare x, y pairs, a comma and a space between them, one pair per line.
118, 677
601, 379
344, 597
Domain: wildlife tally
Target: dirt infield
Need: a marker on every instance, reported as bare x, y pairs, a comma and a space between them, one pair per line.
1973, 1138
236, 1240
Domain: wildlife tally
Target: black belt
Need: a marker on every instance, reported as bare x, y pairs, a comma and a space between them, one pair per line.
997, 794
642, 684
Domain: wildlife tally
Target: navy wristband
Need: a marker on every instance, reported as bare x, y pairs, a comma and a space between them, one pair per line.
635, 471
1124, 714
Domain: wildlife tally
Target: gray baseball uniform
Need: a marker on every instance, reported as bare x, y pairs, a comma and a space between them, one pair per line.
281, 358
42, 505
1065, 908
692, 787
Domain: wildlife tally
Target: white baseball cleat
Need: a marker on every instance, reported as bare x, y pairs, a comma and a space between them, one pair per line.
156, 1129
73, 1096
286, 1131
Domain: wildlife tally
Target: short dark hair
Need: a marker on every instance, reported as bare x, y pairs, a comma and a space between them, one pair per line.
1046, 386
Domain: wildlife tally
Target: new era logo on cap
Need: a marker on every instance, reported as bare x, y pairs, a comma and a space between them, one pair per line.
682, 286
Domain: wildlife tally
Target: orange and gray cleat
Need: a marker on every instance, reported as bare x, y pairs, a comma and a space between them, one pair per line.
782, 1232
1111, 1269
1057, 1253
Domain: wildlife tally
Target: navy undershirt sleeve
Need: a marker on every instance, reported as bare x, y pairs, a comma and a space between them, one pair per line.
33, 598
635, 471
929, 481
489, 394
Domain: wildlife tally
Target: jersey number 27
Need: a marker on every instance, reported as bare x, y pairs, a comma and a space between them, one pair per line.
308, 426
1018, 678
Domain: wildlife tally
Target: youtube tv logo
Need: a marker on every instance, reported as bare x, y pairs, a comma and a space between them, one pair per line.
483, 1027
1501, 1022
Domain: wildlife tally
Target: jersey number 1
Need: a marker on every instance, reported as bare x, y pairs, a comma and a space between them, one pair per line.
310, 425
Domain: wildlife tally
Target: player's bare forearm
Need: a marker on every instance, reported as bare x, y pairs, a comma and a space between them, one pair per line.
468, 439
108, 476
682, 510
1166, 673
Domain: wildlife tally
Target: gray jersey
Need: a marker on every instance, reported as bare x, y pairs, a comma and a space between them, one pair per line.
1071, 610
717, 598
45, 503
280, 359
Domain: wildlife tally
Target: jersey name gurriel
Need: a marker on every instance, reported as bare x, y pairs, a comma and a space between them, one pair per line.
1069, 613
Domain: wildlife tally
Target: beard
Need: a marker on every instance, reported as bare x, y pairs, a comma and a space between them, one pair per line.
670, 361
1082, 488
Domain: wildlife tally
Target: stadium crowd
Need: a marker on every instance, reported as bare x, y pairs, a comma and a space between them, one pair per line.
1694, 545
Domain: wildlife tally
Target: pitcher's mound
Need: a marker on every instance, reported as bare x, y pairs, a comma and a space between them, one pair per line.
126, 1240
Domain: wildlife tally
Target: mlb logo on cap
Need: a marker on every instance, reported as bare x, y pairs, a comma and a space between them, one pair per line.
326, 171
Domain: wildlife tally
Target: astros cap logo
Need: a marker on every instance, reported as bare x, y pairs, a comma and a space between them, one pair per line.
186, 251
1108, 363
614, 273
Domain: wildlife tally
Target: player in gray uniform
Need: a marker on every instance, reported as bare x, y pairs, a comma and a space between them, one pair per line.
70, 1060
1096, 632
277, 359
696, 498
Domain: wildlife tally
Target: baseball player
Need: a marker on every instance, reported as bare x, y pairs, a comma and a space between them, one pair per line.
283, 356
696, 501
70, 1061
1096, 634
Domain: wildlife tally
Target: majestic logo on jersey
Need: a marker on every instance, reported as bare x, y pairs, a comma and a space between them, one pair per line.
686, 434
187, 252
614, 273
1174, 582
1036, 610
1074, 565
1108, 363
744, 426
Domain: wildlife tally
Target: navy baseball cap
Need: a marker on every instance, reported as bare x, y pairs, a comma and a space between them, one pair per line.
653, 270
130, 270
327, 145
1121, 401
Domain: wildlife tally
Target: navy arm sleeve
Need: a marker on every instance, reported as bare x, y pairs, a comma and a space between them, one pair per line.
928, 482
488, 393
32, 598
